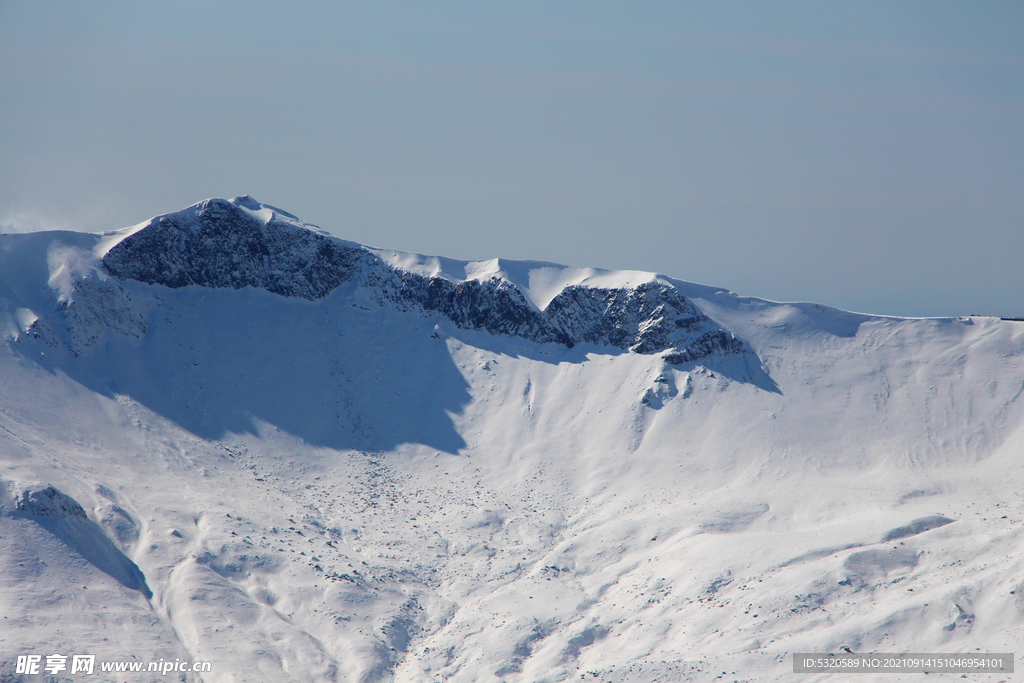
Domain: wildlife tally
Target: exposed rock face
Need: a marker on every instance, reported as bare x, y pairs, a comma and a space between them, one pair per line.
718, 342
493, 305
648, 319
219, 243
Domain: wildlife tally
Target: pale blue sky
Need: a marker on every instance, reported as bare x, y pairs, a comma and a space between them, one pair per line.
866, 155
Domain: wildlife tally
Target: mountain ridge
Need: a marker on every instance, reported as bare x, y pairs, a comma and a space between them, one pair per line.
411, 478
241, 243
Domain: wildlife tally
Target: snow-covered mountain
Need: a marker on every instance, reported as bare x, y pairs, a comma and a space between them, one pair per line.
228, 436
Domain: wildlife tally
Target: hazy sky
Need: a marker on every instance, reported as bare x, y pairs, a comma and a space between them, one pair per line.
866, 155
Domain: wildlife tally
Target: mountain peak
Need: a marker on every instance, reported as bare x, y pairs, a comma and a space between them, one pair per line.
234, 243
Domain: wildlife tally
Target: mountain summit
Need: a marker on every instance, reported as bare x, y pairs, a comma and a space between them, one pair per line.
237, 243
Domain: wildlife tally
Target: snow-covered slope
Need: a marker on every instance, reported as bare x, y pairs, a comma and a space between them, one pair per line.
226, 435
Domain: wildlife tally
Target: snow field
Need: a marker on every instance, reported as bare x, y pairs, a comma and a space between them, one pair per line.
338, 490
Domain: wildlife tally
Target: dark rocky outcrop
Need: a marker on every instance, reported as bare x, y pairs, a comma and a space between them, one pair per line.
218, 244
650, 318
493, 305
711, 342
645, 319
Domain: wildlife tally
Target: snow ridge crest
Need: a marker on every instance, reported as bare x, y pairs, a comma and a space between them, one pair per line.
242, 243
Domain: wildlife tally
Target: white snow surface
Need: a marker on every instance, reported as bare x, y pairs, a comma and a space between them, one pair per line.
539, 281
335, 490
